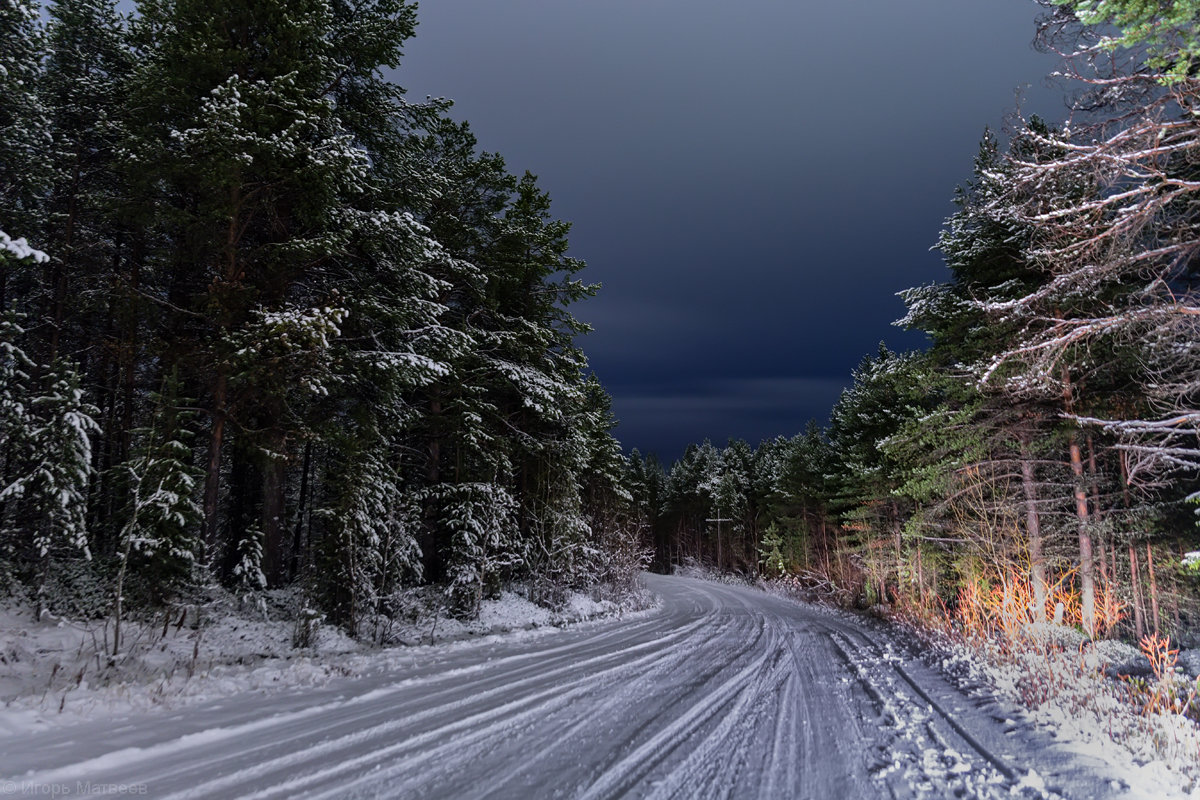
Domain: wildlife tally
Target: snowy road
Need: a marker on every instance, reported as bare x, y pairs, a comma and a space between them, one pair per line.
724, 692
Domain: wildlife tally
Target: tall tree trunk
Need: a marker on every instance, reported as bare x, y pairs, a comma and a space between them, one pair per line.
718, 541
274, 510
100, 509
128, 356
1153, 588
245, 490
1135, 579
1087, 580
431, 556
1102, 560
128, 400
920, 577
1033, 527
825, 550
58, 302
1139, 624
1097, 509
1174, 596
212, 475
118, 603
301, 509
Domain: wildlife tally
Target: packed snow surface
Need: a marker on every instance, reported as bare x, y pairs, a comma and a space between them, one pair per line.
723, 691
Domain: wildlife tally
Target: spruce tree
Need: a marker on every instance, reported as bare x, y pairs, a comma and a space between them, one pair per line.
25, 163
158, 541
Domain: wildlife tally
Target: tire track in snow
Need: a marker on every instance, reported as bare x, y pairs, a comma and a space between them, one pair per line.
637, 687
603, 688
873, 653
469, 729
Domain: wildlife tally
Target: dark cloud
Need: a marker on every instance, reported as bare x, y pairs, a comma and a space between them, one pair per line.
752, 409
752, 182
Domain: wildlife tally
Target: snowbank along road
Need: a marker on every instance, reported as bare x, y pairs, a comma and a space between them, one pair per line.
722, 692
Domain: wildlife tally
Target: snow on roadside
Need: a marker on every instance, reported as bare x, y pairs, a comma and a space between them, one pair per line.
57, 671
693, 569
1069, 687
508, 612
1068, 691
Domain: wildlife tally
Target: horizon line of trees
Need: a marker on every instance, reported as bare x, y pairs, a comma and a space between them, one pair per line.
280, 326
1052, 427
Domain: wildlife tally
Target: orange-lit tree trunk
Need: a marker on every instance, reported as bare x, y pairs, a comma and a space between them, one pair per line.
1153, 588
1097, 511
1139, 614
1139, 624
1087, 580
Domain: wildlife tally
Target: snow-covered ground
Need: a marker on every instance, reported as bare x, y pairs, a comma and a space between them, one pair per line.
59, 671
722, 691
1076, 692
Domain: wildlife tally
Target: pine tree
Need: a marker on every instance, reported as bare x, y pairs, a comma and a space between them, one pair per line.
484, 542
16, 422
46, 494
83, 87
1166, 31
272, 198
646, 482
887, 392
797, 499
1116, 201
733, 500
688, 498
369, 548
25, 165
981, 432
158, 541
46, 437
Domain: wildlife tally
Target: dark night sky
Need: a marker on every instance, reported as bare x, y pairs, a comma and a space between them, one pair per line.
751, 182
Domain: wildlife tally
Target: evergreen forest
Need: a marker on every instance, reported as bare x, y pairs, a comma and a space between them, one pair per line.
266, 323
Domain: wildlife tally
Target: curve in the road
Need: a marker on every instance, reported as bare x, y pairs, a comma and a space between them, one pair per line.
723, 692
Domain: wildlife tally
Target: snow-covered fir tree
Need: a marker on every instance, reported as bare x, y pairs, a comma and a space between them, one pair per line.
46, 436
25, 162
